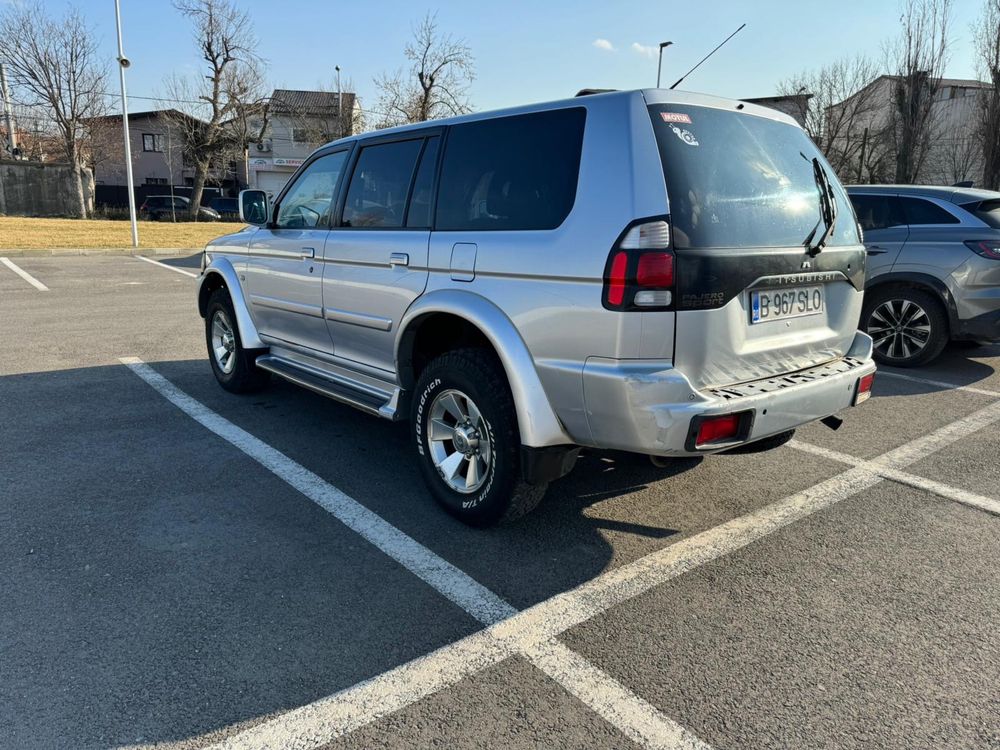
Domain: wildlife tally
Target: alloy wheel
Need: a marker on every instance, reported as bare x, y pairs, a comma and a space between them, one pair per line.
458, 437
223, 342
899, 328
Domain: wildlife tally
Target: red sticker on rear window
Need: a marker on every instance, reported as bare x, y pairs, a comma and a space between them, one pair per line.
675, 117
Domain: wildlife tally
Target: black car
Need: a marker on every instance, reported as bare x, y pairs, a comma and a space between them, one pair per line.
173, 208
228, 208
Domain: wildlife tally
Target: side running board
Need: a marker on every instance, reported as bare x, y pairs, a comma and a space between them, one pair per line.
374, 401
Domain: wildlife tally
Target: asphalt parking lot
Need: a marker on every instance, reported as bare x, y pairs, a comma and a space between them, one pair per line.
186, 568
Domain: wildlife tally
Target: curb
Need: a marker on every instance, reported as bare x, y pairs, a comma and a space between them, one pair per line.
71, 251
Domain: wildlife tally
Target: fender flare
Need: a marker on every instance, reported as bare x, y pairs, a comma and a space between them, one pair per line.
222, 267
914, 278
538, 424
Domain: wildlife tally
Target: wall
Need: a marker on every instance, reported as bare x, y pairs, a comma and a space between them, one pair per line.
40, 189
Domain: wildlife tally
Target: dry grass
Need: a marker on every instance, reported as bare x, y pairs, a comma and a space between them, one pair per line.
18, 232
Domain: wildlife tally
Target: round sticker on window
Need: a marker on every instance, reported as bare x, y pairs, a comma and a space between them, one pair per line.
685, 135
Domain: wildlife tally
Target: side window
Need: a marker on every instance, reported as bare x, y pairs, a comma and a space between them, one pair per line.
381, 180
919, 211
419, 214
515, 172
308, 203
877, 211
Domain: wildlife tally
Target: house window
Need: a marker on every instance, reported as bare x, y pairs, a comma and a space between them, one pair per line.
300, 135
156, 180
152, 142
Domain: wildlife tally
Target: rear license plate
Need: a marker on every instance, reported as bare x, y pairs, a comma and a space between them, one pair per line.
791, 302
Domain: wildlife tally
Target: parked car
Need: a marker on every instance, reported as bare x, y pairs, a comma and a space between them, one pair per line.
173, 208
227, 208
933, 268
650, 271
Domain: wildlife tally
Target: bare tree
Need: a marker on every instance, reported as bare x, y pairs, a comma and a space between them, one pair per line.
842, 114
54, 66
917, 58
436, 83
986, 32
230, 89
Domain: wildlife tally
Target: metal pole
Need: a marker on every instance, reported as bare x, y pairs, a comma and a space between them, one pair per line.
340, 102
11, 134
659, 65
123, 63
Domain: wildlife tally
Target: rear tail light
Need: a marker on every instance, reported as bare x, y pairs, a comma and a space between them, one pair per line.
864, 391
986, 248
640, 271
718, 429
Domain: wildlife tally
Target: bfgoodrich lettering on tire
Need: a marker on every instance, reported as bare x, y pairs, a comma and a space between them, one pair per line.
465, 429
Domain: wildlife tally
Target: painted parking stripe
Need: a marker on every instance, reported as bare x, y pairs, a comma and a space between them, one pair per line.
24, 275
167, 266
988, 504
408, 683
486, 606
939, 383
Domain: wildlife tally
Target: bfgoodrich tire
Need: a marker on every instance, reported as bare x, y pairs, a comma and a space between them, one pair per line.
465, 429
233, 365
909, 326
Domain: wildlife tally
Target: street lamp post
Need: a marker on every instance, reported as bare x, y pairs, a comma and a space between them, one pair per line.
123, 63
659, 65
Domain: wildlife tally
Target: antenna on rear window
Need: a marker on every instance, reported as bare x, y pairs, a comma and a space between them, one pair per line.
707, 56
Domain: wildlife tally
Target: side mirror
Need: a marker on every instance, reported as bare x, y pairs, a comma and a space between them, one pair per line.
255, 208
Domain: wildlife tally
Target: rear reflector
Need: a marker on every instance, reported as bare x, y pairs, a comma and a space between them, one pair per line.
616, 279
864, 391
718, 429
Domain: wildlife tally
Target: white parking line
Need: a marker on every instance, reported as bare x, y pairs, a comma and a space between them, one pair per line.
24, 275
473, 597
939, 383
167, 266
528, 631
912, 480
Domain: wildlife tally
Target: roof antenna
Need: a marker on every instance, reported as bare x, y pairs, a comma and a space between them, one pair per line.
708, 56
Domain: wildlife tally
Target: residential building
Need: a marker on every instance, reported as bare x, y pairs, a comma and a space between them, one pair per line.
298, 122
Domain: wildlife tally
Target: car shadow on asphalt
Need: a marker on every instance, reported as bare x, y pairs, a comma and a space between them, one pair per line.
187, 262
960, 363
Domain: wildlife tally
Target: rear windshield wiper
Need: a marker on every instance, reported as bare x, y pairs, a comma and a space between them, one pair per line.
827, 210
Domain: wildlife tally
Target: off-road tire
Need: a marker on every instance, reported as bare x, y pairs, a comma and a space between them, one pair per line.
245, 376
504, 495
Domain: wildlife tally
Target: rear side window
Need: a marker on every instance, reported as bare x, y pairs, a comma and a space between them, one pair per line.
739, 180
422, 197
987, 211
878, 211
515, 172
381, 180
919, 211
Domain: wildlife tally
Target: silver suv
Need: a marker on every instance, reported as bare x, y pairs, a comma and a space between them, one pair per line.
649, 271
933, 268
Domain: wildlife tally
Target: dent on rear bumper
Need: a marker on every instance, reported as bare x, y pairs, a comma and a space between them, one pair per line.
647, 407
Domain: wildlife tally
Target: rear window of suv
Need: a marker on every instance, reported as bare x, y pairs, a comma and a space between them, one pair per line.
516, 172
988, 211
738, 180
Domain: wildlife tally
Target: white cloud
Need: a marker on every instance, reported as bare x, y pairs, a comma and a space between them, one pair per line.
604, 44
644, 50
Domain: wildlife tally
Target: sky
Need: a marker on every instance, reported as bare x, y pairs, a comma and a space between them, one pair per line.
528, 51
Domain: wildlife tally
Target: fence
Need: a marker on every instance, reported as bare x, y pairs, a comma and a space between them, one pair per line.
41, 189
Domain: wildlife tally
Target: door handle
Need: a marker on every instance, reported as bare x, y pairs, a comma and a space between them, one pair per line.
399, 259
876, 250
308, 252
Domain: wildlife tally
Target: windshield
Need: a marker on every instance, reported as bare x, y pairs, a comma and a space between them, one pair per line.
738, 180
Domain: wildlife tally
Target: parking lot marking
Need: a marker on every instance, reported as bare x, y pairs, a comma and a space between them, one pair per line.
939, 383
168, 266
946, 491
24, 275
637, 719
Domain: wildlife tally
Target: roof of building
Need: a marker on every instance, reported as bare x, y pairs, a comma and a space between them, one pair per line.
152, 114
320, 103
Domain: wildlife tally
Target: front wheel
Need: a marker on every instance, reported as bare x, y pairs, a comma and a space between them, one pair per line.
909, 327
466, 433
234, 366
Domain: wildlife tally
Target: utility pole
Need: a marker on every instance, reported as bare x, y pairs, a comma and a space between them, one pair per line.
340, 102
123, 63
9, 116
659, 65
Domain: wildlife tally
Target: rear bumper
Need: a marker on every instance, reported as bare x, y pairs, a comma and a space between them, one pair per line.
649, 407
984, 327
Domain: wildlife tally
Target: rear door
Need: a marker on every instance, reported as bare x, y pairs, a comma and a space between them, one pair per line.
284, 264
375, 262
885, 229
751, 301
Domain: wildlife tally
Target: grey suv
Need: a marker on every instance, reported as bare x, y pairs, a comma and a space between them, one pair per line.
649, 271
933, 268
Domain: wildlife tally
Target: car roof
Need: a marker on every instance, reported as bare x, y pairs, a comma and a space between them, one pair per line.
942, 192
651, 96
182, 197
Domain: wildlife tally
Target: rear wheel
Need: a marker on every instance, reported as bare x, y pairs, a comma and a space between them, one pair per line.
234, 366
909, 327
466, 433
